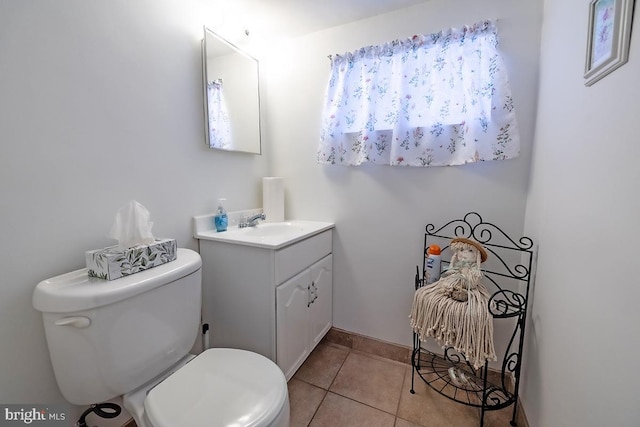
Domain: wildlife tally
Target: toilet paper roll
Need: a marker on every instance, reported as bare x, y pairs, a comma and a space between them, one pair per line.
273, 198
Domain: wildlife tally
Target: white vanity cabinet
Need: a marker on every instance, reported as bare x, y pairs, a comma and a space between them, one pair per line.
303, 314
276, 301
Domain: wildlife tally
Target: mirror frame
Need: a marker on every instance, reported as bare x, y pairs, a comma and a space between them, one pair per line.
208, 31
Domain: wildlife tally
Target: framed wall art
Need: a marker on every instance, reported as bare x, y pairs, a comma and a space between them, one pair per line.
607, 38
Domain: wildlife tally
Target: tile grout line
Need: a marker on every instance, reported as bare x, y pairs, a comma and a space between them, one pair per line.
346, 339
357, 401
319, 405
362, 403
326, 392
404, 377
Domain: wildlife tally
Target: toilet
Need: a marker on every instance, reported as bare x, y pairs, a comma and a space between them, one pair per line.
131, 337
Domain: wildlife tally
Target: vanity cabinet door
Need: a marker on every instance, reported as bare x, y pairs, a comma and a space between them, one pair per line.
320, 310
293, 299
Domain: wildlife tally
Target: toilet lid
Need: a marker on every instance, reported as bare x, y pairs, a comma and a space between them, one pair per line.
220, 387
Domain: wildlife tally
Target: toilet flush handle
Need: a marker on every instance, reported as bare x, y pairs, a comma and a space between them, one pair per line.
77, 321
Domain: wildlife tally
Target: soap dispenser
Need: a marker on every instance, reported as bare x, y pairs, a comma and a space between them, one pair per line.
221, 220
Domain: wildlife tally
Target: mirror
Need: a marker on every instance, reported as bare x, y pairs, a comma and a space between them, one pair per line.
231, 96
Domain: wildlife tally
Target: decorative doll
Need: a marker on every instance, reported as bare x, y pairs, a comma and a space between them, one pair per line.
455, 309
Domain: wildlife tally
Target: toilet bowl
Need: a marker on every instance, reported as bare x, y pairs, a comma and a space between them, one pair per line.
219, 387
131, 337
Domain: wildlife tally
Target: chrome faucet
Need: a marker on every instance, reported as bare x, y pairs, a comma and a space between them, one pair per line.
252, 221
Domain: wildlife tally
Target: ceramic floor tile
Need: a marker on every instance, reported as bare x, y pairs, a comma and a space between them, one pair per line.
501, 418
374, 382
404, 423
304, 400
322, 365
430, 409
427, 408
338, 411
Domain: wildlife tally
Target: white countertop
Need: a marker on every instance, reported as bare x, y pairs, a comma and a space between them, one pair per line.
270, 235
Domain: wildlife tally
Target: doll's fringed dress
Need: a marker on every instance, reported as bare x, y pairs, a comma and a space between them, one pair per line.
455, 309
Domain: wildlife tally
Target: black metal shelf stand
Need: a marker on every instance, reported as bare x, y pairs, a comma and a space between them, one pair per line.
507, 274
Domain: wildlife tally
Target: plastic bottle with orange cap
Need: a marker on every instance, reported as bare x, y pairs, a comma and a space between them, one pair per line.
433, 264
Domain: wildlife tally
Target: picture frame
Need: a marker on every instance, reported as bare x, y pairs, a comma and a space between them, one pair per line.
608, 37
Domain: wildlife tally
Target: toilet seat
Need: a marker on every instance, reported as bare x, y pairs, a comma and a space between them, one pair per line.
222, 387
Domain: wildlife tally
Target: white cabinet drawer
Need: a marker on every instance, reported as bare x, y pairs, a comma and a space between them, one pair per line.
295, 258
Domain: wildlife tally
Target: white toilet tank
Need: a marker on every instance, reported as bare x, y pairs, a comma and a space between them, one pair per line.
107, 338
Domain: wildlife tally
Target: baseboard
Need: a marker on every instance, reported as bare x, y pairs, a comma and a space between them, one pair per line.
369, 345
391, 351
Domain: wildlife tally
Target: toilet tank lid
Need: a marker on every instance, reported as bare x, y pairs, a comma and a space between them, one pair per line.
76, 291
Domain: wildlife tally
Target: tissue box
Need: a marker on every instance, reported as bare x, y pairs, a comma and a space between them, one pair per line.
112, 262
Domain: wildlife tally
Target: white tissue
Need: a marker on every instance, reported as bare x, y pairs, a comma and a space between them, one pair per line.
132, 226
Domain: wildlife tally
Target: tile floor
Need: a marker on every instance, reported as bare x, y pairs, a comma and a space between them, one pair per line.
341, 387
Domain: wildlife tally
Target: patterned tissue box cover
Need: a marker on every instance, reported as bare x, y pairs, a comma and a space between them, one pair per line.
112, 262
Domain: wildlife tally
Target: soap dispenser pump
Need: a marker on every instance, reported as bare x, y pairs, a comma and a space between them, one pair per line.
220, 219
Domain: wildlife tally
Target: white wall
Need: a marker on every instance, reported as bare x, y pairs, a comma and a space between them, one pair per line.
583, 209
380, 211
100, 103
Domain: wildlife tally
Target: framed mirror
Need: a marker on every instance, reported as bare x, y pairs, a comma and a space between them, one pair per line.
231, 96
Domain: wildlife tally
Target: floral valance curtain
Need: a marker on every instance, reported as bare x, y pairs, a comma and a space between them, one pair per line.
432, 100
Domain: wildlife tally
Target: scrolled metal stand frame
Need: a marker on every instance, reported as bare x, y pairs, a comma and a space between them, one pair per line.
481, 388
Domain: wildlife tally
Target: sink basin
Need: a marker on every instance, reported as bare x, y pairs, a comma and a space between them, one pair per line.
273, 229
272, 235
